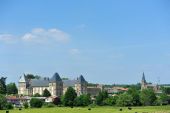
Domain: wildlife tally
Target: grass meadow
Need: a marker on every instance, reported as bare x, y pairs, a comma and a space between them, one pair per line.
149, 109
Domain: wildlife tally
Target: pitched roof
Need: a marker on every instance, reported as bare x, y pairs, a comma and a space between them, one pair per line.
39, 83
68, 83
55, 78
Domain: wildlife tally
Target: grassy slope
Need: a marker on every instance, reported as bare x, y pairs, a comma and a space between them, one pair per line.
159, 109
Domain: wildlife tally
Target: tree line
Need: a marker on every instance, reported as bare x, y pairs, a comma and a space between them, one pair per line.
133, 97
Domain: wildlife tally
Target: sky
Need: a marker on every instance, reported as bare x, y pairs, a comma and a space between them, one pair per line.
106, 41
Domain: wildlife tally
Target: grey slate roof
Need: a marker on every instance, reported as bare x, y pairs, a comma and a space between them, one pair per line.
39, 83
68, 83
81, 79
55, 78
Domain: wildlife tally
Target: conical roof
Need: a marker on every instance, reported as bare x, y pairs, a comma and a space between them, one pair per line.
22, 78
55, 78
143, 78
81, 79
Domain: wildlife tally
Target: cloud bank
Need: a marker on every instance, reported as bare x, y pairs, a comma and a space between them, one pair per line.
38, 35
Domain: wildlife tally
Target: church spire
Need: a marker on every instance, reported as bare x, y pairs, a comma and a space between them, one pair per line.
143, 78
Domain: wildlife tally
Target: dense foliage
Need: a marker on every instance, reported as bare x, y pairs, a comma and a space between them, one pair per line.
31, 76
83, 100
69, 97
3, 85
11, 88
46, 93
36, 103
148, 97
3, 102
101, 97
26, 105
37, 95
166, 90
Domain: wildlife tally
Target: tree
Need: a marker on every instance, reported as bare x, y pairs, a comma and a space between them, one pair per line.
147, 97
110, 100
9, 106
26, 105
101, 97
3, 102
46, 93
36, 103
83, 100
31, 76
164, 98
124, 100
166, 90
37, 95
69, 97
3, 85
11, 88
135, 95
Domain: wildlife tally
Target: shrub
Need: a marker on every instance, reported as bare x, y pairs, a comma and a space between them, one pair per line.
3, 102
36, 103
57, 101
26, 105
37, 95
9, 106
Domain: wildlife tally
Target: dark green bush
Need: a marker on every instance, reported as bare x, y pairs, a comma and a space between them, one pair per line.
36, 103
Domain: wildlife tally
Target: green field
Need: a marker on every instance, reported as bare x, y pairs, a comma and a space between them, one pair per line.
152, 109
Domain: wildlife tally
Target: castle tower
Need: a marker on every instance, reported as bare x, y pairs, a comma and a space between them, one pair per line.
143, 82
22, 86
56, 85
81, 86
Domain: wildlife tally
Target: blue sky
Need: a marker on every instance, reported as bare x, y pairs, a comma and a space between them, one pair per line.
107, 41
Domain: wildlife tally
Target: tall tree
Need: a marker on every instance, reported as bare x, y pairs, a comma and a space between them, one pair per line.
147, 97
69, 97
135, 95
101, 97
3, 85
11, 88
3, 102
46, 93
124, 100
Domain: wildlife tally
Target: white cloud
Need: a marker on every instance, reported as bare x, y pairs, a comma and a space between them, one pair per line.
41, 36
7, 38
74, 51
37, 35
